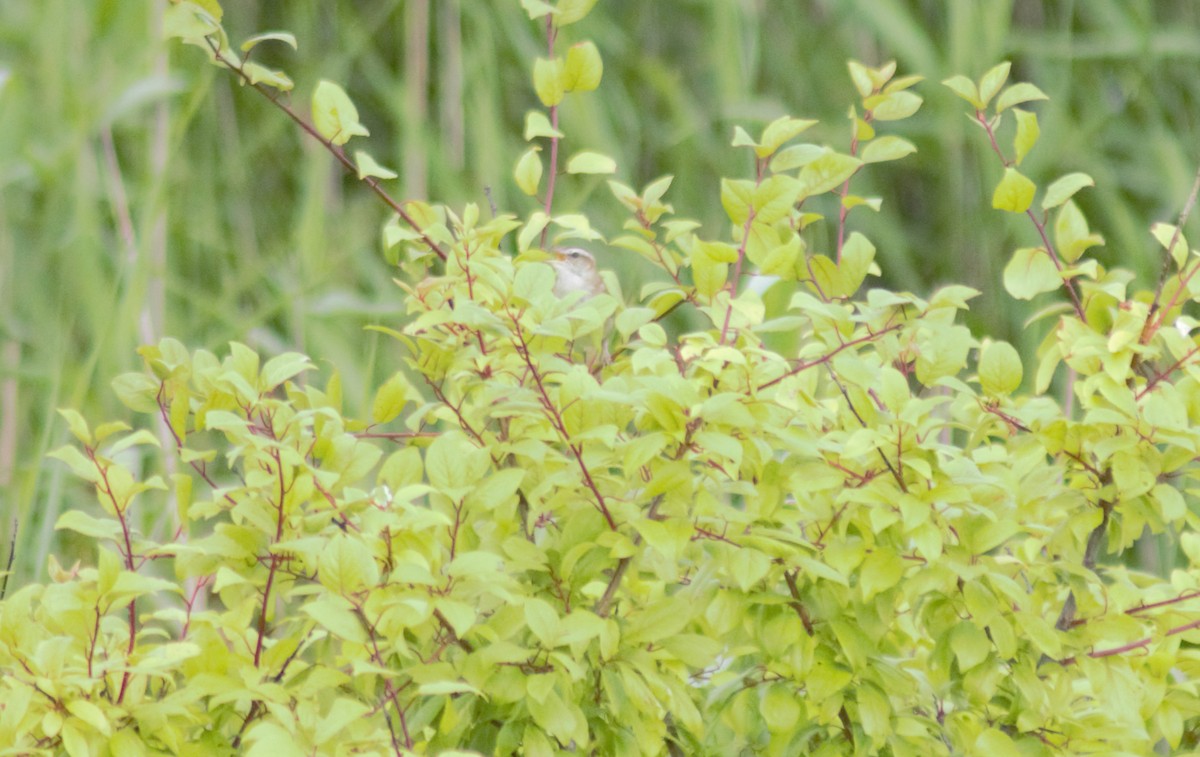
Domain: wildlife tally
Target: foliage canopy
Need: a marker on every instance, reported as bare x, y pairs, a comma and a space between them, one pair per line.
697, 544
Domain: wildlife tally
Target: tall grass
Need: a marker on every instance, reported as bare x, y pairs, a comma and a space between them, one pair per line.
143, 193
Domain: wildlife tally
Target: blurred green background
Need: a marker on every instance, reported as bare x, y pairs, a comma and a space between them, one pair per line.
143, 193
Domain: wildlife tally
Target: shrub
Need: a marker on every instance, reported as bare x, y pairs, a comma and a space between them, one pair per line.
565, 527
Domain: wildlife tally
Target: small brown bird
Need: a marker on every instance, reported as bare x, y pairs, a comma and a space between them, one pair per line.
576, 272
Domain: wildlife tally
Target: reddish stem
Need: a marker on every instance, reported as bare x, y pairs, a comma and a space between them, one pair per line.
334, 150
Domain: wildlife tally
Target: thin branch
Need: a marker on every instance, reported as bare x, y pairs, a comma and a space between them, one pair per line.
333, 149
1047, 245
843, 211
12, 552
1149, 330
556, 420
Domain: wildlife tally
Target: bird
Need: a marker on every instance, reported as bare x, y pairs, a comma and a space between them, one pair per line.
575, 270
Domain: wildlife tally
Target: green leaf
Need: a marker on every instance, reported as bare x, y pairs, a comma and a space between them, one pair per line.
1072, 237
340, 715
391, 398
591, 162
779, 131
584, 68
1000, 369
782, 260
992, 81
966, 89
826, 172
874, 712
893, 106
542, 621
82, 523
1131, 474
497, 489
1165, 233
79, 427
881, 570
537, 8
191, 22
858, 257
345, 567
267, 738
1014, 193
260, 74
334, 115
283, 367
367, 166
996, 743
74, 741
528, 173
1030, 272
1019, 93
571, 11
861, 76
970, 644
710, 265
548, 81
887, 148
1027, 133
447, 688
80, 464
538, 125
257, 39
446, 464
136, 439
336, 615
137, 391
1171, 503
796, 156
1064, 188
780, 709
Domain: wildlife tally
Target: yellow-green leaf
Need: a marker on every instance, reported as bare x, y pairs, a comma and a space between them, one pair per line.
334, 115
966, 89
584, 68
887, 148
367, 166
1027, 133
1029, 273
1014, 193
826, 173
893, 106
710, 265
570, 11
1071, 234
528, 172
1017, 94
779, 131
1064, 188
257, 39
992, 81
1000, 369
390, 399
881, 570
591, 162
548, 81
538, 125
77, 424
1165, 233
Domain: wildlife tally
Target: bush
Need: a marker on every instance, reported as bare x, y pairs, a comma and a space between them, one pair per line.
565, 527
